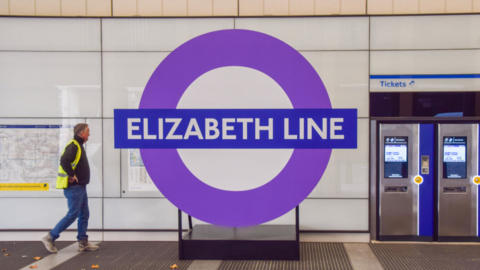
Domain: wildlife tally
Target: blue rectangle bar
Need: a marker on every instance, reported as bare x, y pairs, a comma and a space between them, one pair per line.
427, 76
235, 128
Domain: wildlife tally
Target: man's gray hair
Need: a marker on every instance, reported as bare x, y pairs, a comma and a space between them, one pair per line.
79, 128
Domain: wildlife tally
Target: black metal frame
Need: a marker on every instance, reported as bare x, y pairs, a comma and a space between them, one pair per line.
292, 256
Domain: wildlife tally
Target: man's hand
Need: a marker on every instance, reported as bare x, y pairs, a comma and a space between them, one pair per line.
72, 179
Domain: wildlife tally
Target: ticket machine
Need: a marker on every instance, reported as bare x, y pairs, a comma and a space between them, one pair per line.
458, 165
406, 184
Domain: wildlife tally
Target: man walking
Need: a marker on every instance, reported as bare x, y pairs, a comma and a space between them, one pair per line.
74, 165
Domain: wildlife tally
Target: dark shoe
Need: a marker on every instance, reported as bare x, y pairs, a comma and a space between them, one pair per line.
84, 245
49, 243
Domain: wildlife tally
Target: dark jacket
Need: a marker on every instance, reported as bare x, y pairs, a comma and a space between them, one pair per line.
82, 171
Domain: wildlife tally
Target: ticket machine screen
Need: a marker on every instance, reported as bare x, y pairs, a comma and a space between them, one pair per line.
455, 157
396, 163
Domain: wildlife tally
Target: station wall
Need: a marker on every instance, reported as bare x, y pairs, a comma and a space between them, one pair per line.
70, 70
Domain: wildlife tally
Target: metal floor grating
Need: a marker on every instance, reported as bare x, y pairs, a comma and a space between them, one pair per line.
128, 255
312, 256
427, 256
30, 249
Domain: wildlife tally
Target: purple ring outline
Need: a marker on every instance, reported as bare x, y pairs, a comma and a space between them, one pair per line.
297, 78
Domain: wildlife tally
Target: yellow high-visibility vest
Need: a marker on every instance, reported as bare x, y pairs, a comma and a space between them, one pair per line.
62, 177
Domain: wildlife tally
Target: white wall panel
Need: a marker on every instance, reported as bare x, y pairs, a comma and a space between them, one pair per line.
175, 7
458, 6
111, 161
425, 62
124, 7
63, 84
313, 33
125, 76
149, 8
251, 7
225, 8
43, 213
49, 34
200, 8
347, 172
425, 32
156, 34
141, 214
302, 7
345, 76
353, 7
380, 6
4, 7
432, 6
22, 7
405, 7
334, 214
74, 7
476, 6
99, 8
94, 150
327, 7
38, 121
276, 7
47, 7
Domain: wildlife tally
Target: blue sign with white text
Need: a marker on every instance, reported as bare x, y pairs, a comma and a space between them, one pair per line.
236, 128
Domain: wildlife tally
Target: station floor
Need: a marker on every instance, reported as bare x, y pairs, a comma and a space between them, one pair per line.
164, 255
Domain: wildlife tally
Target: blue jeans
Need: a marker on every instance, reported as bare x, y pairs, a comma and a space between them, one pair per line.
77, 208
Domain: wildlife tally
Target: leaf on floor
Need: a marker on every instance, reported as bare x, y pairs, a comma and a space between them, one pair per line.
6, 254
174, 266
34, 266
37, 258
95, 266
4, 249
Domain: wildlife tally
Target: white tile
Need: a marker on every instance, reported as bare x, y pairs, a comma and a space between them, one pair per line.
141, 213
175, 7
94, 151
334, 214
111, 161
200, 8
74, 7
405, 7
251, 7
140, 236
425, 32
335, 237
458, 6
380, 6
99, 8
43, 213
275, 7
425, 62
345, 76
52, 170
63, 84
125, 75
22, 7
347, 33
327, 7
356, 7
476, 6
225, 8
149, 8
432, 6
4, 7
47, 7
49, 34
124, 7
346, 175
302, 7
164, 34
37, 235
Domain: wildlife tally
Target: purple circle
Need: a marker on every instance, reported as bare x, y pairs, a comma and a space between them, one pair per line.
297, 78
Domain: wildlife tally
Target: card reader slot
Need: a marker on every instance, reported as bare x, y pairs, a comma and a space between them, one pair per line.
396, 189
454, 190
